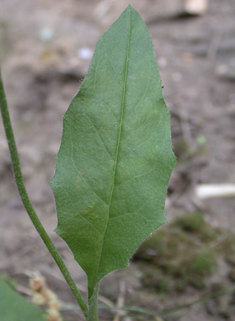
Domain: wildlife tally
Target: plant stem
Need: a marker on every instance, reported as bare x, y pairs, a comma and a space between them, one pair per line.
27, 204
93, 305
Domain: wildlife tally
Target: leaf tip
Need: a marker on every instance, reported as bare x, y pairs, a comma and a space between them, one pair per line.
130, 8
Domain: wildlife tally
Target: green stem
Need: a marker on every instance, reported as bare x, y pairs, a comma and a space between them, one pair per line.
93, 305
27, 204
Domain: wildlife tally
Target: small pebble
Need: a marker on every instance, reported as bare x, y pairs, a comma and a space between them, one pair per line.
85, 53
46, 34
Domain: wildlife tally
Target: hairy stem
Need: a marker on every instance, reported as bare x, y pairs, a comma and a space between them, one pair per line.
27, 204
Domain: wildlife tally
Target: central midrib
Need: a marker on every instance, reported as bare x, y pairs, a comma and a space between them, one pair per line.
119, 138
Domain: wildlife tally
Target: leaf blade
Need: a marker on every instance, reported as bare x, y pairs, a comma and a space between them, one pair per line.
14, 307
116, 137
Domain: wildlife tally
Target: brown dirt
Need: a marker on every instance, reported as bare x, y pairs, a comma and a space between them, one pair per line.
196, 57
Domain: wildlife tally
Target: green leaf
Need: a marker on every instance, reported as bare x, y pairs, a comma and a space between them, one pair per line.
14, 307
116, 157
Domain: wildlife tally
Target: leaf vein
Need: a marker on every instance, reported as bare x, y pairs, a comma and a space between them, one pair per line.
131, 179
75, 167
97, 133
93, 191
80, 214
119, 138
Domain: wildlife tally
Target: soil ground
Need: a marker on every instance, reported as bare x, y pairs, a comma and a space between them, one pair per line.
40, 51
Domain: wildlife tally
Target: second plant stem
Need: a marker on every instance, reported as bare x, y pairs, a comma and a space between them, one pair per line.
28, 206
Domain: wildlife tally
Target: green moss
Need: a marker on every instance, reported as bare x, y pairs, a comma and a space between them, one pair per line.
209, 234
227, 248
164, 285
154, 278
196, 224
202, 264
197, 267
181, 149
185, 253
178, 256
192, 222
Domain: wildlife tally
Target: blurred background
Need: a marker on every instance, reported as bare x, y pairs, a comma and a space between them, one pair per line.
186, 270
